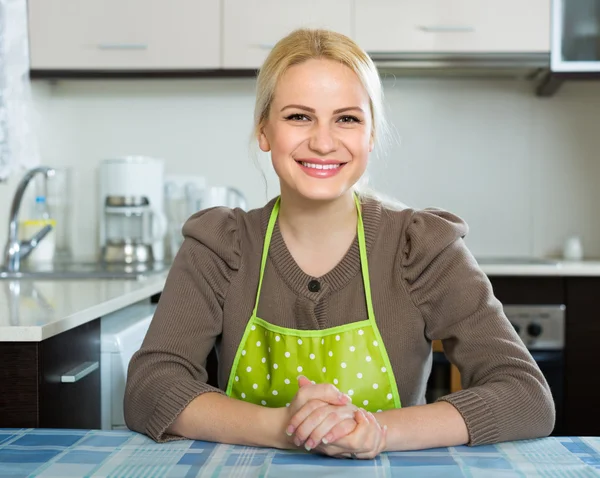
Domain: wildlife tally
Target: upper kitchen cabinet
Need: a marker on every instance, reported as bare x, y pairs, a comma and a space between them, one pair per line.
251, 29
453, 26
119, 35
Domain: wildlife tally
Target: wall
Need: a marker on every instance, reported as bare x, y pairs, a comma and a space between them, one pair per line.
521, 170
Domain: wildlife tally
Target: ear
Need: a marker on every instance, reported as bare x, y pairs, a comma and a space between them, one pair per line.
263, 142
371, 143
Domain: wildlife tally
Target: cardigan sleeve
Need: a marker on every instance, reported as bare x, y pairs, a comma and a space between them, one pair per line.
505, 396
168, 371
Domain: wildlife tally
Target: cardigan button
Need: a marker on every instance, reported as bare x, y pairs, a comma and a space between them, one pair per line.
314, 286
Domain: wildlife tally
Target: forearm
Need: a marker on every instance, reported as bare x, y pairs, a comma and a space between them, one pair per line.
424, 426
218, 418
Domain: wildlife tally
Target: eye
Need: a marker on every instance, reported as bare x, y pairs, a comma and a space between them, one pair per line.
297, 117
349, 119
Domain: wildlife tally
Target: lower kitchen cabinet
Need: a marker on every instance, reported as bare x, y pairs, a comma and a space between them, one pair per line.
54, 383
582, 378
576, 387
581, 297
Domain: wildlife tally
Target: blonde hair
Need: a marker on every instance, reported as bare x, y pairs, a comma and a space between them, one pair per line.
313, 44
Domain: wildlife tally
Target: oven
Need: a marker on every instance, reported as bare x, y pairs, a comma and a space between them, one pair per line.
542, 329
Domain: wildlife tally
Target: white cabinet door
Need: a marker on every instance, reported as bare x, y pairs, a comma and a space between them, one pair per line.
251, 28
466, 26
124, 34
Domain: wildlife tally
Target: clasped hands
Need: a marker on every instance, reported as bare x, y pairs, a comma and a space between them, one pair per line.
324, 420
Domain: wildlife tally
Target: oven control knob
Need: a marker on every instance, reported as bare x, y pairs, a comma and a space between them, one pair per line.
517, 328
534, 329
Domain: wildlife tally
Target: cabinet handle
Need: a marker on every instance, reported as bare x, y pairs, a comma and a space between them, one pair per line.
79, 372
447, 28
122, 46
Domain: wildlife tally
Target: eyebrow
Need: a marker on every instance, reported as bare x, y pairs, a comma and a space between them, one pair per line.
312, 110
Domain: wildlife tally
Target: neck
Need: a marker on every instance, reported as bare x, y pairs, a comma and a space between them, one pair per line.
307, 219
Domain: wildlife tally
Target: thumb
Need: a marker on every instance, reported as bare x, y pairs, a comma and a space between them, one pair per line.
303, 381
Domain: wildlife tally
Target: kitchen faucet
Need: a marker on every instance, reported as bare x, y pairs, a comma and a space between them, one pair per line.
15, 249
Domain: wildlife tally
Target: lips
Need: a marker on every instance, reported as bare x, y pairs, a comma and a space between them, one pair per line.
320, 168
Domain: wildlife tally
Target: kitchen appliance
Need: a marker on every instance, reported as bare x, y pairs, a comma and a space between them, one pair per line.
121, 335
133, 224
186, 195
183, 197
542, 329
223, 196
575, 49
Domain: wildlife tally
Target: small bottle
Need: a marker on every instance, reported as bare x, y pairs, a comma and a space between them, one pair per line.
40, 217
573, 249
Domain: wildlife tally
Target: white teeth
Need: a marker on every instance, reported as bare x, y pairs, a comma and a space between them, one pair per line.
320, 166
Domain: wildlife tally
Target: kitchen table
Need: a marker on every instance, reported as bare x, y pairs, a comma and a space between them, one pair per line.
75, 453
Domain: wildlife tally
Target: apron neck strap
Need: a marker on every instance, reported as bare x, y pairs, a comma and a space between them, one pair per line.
265, 252
364, 264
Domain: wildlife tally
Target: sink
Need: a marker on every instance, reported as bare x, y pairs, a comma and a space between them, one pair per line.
86, 270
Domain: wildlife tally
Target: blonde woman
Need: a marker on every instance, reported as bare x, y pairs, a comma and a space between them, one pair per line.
323, 303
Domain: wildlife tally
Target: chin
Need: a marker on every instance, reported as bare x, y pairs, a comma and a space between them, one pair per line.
322, 192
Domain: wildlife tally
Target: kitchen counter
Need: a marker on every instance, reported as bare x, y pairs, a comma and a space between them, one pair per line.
539, 267
32, 311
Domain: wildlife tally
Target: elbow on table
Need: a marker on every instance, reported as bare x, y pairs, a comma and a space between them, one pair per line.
536, 415
546, 417
131, 411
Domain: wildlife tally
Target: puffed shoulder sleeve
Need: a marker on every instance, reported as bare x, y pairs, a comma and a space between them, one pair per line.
169, 370
504, 395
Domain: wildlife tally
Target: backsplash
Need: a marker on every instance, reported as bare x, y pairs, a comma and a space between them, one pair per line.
522, 171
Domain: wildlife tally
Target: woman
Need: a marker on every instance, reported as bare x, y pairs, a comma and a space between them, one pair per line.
326, 300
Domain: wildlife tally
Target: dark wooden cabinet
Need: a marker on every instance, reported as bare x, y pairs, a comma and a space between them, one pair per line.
582, 377
581, 296
517, 290
32, 393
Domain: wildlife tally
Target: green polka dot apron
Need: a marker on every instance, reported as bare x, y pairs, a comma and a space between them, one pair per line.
352, 356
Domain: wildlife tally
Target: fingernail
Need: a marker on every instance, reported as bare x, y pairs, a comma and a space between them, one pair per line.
297, 441
289, 431
327, 439
309, 445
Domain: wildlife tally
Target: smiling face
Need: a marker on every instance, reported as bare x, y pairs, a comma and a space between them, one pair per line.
319, 130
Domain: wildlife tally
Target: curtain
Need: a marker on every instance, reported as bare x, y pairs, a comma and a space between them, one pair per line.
18, 146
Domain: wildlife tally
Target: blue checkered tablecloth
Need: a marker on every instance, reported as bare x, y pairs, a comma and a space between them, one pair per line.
77, 453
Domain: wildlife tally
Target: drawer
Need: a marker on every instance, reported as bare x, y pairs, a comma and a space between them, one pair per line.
453, 26
70, 379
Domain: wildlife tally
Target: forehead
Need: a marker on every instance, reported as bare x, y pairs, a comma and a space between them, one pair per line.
319, 84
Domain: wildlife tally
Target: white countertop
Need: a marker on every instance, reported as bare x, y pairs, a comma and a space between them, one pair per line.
558, 269
32, 311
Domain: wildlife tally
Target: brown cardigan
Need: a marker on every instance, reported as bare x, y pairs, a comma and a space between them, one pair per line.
425, 284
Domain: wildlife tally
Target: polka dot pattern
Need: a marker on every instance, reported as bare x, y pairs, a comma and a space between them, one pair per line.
351, 359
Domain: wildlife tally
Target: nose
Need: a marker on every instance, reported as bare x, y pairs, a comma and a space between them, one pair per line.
322, 139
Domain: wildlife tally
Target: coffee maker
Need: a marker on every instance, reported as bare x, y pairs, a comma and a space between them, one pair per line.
133, 224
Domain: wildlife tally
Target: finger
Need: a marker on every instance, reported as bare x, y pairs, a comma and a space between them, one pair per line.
344, 422
373, 421
331, 415
301, 415
303, 381
355, 442
321, 391
339, 431
371, 440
